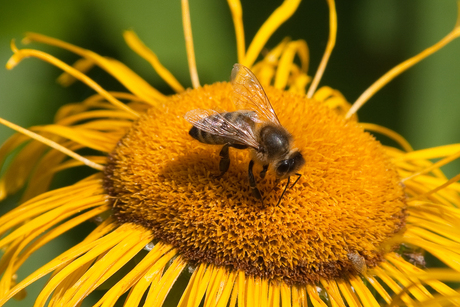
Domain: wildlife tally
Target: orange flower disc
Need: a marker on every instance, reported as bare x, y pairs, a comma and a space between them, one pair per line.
348, 203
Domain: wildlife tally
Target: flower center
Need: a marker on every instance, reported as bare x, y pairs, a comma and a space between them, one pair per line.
346, 205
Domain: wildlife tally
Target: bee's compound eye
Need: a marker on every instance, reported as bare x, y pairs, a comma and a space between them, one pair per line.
283, 167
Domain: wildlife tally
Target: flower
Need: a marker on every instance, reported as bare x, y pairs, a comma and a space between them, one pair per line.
352, 231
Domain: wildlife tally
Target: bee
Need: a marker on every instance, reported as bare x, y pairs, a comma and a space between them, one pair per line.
254, 126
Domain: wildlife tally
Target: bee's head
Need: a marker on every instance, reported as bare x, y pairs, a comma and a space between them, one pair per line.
289, 166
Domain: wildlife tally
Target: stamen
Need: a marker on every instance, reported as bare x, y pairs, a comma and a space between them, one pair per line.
189, 44
279, 16
330, 45
237, 16
135, 44
23, 53
399, 69
51, 144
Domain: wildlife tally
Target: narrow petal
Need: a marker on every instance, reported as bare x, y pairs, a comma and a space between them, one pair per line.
314, 297
50, 235
117, 256
277, 18
158, 294
237, 16
333, 291
135, 43
399, 69
189, 43
153, 275
21, 166
67, 257
225, 291
379, 288
285, 295
274, 294
434, 166
329, 47
234, 296
299, 298
82, 65
286, 62
333, 99
121, 72
242, 288
363, 292
25, 53
419, 292
348, 294
430, 277
197, 286
50, 143
141, 270
55, 216
389, 133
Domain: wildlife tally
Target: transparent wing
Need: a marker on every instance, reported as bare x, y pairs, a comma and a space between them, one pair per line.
216, 124
249, 94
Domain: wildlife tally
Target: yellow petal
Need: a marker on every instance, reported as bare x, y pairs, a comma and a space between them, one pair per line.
237, 16
67, 257
135, 43
153, 275
111, 262
379, 288
366, 297
197, 286
158, 292
314, 297
140, 271
285, 295
348, 294
277, 18
121, 72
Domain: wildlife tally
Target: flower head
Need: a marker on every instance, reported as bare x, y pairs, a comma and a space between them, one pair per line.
352, 230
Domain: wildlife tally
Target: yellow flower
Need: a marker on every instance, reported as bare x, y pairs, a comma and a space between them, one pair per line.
353, 231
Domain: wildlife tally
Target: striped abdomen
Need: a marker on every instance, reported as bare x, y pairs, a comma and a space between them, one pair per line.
217, 124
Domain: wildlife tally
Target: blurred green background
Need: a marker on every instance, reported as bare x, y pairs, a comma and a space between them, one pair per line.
373, 36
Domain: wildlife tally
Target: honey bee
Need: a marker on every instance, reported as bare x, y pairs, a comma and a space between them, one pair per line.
254, 126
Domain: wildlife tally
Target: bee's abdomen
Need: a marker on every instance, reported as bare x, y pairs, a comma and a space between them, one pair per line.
205, 137
236, 118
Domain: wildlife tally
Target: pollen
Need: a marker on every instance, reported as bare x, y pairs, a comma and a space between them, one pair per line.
348, 201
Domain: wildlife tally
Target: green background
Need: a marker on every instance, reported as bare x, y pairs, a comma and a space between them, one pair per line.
373, 36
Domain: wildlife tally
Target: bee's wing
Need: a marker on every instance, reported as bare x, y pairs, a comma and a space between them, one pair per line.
214, 123
249, 94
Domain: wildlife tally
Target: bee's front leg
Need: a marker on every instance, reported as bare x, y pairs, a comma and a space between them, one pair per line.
252, 182
264, 171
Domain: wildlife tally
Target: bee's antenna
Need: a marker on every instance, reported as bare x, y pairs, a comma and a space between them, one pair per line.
285, 188
298, 177
287, 184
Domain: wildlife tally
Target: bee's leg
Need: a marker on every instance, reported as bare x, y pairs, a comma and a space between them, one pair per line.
264, 171
252, 182
285, 188
224, 162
